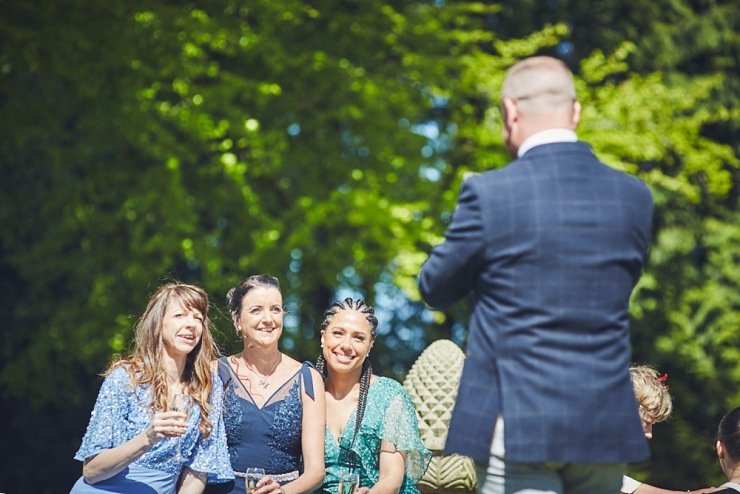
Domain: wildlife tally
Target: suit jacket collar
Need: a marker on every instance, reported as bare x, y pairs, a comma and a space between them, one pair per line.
548, 136
548, 150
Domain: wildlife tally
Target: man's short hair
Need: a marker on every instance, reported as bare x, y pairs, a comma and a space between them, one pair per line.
540, 83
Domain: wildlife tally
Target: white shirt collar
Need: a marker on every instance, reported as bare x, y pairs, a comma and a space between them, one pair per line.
548, 136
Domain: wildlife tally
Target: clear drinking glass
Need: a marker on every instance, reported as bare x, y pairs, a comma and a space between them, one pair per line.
180, 403
254, 475
348, 482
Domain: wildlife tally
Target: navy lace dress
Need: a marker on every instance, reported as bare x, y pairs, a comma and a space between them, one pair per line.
268, 437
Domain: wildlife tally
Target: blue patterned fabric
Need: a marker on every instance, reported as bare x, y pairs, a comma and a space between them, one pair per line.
389, 415
133, 479
122, 411
268, 437
551, 246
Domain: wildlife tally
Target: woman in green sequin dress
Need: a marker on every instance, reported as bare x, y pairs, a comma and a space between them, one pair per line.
371, 425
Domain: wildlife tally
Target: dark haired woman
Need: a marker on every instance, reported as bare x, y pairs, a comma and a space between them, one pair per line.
371, 421
728, 450
135, 441
274, 408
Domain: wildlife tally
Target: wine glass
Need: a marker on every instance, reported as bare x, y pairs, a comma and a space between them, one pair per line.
253, 475
348, 482
180, 403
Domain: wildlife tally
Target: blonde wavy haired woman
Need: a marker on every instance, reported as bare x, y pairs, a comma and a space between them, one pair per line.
655, 406
137, 441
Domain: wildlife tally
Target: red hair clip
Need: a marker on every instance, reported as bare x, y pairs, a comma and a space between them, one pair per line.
663, 378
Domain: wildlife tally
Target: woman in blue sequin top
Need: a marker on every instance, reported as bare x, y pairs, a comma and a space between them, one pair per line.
274, 408
371, 425
133, 443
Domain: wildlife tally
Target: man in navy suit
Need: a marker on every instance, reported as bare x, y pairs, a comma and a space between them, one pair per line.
551, 246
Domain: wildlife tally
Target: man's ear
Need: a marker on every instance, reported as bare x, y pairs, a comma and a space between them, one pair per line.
576, 114
720, 449
511, 112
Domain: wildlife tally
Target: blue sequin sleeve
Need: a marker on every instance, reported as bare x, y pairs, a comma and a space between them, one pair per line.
108, 423
211, 455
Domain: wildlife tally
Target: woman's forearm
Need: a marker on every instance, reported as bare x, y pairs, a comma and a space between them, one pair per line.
307, 482
385, 487
111, 461
649, 489
392, 467
313, 425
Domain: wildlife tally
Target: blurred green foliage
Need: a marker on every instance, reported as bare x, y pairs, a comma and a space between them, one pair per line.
324, 142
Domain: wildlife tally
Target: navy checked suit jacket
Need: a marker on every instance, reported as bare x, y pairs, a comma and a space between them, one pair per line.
551, 247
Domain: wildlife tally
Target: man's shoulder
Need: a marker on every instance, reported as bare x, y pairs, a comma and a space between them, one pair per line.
541, 153
562, 154
567, 153
626, 180
491, 173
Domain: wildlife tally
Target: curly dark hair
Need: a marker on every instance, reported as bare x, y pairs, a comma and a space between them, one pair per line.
367, 368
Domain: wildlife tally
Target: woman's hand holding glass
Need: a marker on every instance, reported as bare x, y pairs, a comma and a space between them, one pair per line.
180, 405
348, 483
259, 483
172, 423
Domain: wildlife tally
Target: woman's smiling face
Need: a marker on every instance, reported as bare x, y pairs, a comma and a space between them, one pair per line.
346, 341
261, 317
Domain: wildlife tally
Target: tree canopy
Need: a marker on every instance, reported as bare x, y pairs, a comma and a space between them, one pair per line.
324, 142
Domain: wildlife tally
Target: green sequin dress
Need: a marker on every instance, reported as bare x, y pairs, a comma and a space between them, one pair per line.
389, 415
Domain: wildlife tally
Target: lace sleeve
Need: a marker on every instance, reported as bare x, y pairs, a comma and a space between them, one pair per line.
401, 428
211, 454
107, 426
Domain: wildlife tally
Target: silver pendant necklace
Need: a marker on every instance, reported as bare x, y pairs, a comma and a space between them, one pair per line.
263, 381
